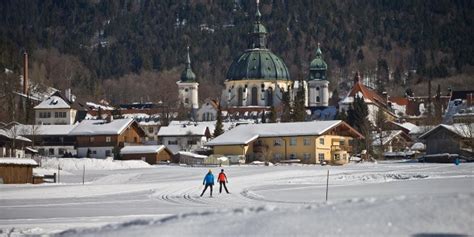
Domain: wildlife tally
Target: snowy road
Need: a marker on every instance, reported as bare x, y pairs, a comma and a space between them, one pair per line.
364, 199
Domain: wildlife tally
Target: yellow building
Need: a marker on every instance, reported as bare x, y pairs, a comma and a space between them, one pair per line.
308, 142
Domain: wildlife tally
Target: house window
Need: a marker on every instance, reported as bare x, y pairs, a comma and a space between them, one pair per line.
293, 156
293, 141
173, 142
150, 130
277, 142
321, 157
344, 156
108, 139
337, 156
192, 142
307, 156
51, 151
307, 141
342, 142
61, 151
277, 156
321, 141
94, 152
91, 139
60, 114
108, 153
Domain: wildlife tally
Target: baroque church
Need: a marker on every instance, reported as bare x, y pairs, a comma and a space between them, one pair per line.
257, 79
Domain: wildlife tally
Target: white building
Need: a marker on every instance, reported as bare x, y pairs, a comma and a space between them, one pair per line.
185, 136
58, 110
207, 111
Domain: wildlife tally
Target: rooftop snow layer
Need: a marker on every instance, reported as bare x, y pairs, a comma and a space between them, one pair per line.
41, 130
53, 102
244, 134
141, 149
18, 161
194, 155
184, 130
101, 127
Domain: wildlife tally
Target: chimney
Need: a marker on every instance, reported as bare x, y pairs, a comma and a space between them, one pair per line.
25, 73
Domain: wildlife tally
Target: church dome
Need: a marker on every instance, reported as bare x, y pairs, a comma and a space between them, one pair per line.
258, 64
318, 62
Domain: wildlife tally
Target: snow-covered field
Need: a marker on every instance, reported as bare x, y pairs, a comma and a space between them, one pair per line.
388, 198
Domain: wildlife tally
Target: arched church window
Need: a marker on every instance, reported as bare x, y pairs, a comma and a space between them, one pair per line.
317, 99
317, 88
186, 101
270, 96
254, 96
240, 96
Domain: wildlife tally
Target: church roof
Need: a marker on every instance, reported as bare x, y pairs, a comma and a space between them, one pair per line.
188, 75
318, 62
258, 64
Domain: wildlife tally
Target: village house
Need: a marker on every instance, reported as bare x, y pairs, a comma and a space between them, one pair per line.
452, 139
101, 138
12, 144
306, 142
151, 154
51, 140
185, 136
390, 142
59, 109
373, 100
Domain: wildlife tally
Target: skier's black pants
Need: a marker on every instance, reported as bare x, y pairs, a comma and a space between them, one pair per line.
205, 188
220, 187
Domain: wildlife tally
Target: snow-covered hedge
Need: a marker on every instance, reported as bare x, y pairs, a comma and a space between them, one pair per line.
91, 164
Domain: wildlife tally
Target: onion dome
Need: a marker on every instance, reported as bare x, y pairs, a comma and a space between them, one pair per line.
318, 67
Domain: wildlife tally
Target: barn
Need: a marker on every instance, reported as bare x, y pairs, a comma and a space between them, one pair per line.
16, 170
152, 154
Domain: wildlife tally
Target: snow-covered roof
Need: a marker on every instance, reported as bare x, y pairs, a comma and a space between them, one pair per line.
101, 127
244, 134
142, 149
97, 106
10, 135
463, 130
46, 130
192, 129
194, 155
408, 126
418, 146
53, 102
18, 161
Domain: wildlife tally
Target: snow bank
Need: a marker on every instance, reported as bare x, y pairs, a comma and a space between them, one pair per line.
18, 161
91, 164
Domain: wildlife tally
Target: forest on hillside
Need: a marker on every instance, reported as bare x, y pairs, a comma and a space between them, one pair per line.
131, 50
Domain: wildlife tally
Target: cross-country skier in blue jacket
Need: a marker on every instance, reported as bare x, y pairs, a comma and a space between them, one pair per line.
208, 181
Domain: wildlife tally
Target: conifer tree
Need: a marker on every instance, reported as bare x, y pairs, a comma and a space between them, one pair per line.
219, 127
299, 111
287, 108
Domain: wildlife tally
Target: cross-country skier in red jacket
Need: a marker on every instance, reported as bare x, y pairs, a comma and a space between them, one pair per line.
222, 178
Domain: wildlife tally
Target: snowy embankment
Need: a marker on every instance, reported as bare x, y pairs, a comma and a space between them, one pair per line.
398, 216
389, 198
72, 164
